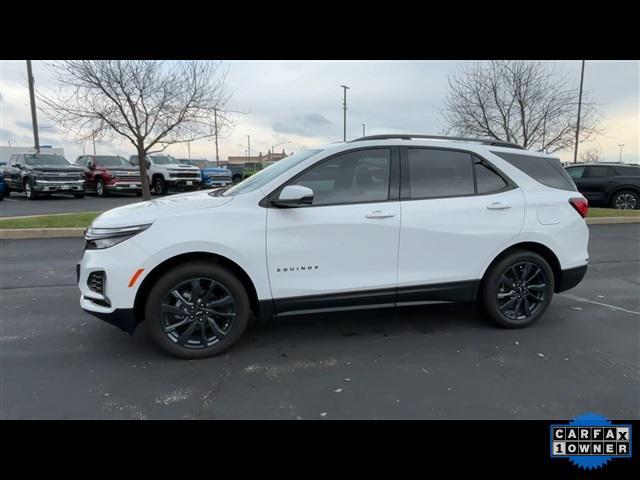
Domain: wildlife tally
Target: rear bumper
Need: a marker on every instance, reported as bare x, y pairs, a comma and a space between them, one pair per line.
570, 278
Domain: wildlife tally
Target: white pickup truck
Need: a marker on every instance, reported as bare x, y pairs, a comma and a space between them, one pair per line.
167, 172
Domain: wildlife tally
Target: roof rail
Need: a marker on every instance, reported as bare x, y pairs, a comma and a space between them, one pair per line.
404, 136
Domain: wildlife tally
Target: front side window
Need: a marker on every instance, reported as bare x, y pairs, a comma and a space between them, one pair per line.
439, 173
263, 177
355, 177
575, 172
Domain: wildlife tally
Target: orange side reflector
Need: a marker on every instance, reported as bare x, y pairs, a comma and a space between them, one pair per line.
135, 277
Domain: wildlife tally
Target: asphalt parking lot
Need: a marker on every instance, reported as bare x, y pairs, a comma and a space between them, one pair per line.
17, 204
435, 362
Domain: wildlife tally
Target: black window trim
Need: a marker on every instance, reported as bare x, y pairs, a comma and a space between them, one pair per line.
393, 195
405, 187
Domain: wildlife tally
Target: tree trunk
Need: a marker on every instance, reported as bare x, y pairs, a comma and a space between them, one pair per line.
144, 177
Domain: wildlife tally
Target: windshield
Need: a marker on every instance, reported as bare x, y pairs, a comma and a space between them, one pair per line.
112, 161
164, 160
265, 175
45, 160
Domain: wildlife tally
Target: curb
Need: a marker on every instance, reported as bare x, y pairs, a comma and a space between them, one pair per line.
24, 233
612, 220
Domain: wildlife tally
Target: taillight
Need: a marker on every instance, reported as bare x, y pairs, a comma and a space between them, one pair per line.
581, 205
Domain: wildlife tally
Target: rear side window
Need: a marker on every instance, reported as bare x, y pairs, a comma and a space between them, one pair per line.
439, 173
547, 171
599, 172
487, 181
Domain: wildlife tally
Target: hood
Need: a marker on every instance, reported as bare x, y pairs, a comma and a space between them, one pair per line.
58, 168
120, 168
146, 212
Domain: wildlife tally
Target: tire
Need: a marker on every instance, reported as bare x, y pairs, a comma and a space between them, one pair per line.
190, 339
160, 186
101, 190
6, 192
510, 311
29, 192
78, 195
138, 193
626, 200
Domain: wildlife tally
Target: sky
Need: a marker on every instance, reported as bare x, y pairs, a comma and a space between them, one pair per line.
301, 102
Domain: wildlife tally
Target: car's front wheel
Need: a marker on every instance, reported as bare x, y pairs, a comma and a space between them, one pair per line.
29, 190
160, 186
197, 310
626, 200
101, 189
517, 290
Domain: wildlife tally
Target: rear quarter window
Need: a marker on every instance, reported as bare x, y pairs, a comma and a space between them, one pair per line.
547, 171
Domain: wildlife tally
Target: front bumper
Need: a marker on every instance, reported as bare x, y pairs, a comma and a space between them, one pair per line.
56, 186
122, 186
123, 318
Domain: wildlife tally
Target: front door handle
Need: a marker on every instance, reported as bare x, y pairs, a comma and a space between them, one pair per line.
379, 214
498, 206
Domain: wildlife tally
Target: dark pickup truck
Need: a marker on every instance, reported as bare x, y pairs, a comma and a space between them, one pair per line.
614, 185
38, 174
109, 173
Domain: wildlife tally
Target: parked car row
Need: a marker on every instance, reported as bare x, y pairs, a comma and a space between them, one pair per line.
613, 185
38, 175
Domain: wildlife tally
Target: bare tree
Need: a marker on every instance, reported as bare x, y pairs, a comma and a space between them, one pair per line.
593, 155
153, 104
518, 101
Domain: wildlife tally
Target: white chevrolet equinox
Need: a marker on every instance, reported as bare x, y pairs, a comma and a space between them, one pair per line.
385, 221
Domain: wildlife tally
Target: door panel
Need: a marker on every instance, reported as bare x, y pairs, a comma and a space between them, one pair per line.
346, 241
450, 239
320, 250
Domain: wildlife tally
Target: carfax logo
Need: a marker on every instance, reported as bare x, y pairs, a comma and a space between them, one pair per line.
590, 441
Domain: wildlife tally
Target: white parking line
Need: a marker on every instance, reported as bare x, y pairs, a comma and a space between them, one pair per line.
586, 300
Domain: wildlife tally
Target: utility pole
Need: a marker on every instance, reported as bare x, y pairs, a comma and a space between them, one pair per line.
189, 148
248, 148
362, 129
344, 107
93, 137
32, 98
575, 152
215, 125
620, 145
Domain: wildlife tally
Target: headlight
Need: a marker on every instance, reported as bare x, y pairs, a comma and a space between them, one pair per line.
99, 238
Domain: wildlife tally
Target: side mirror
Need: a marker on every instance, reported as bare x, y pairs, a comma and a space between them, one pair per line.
17, 165
293, 196
91, 166
148, 164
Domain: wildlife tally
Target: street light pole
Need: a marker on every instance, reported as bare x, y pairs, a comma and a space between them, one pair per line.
575, 152
32, 98
93, 137
344, 108
215, 125
189, 148
362, 129
248, 148
273, 151
620, 145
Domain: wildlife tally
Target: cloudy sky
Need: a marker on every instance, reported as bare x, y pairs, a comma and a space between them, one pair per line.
301, 102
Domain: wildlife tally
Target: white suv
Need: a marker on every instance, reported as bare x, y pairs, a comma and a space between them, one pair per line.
164, 171
383, 221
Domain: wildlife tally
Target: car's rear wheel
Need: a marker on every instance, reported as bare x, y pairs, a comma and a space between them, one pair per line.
518, 289
626, 200
197, 310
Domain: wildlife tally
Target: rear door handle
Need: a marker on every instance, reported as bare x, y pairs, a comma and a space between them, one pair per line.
498, 206
379, 214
